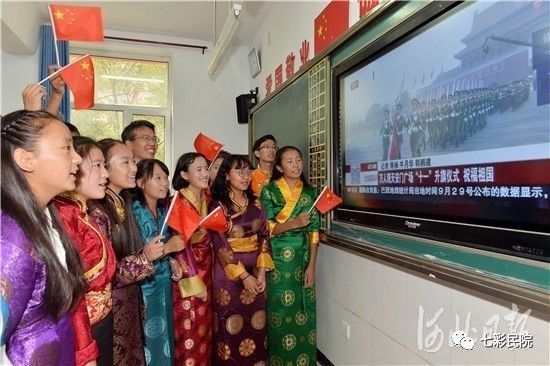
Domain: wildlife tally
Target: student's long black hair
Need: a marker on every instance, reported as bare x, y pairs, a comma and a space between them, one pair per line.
276, 174
126, 237
82, 146
22, 129
183, 166
221, 188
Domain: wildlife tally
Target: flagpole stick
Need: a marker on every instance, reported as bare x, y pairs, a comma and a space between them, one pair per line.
317, 200
169, 211
56, 50
49, 76
54, 37
61, 69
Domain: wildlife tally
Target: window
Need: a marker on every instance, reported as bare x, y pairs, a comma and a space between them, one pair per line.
127, 90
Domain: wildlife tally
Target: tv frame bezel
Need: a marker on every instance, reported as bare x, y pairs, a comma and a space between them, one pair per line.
469, 234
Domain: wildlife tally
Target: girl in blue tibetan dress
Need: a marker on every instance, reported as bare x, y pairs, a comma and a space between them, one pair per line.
149, 209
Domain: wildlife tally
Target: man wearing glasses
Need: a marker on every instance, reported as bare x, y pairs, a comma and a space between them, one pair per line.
141, 138
264, 150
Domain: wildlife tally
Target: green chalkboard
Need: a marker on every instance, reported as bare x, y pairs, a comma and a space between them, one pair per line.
285, 116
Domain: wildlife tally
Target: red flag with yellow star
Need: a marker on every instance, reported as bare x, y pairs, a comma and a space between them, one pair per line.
79, 76
206, 146
216, 221
183, 219
327, 200
330, 23
76, 23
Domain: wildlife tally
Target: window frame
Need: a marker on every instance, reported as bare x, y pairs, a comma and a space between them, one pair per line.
128, 111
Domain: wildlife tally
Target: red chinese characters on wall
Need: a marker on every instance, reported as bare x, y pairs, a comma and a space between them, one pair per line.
268, 84
304, 52
365, 6
289, 69
278, 75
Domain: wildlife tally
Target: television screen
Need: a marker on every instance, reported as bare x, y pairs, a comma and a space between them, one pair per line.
444, 129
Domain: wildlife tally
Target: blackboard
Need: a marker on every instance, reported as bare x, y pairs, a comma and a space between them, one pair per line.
285, 116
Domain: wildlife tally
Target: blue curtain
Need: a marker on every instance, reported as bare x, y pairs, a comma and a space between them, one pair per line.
47, 57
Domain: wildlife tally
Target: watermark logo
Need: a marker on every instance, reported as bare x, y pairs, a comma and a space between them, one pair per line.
430, 337
460, 338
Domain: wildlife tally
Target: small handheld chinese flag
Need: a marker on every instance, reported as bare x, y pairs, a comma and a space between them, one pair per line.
326, 201
216, 221
183, 219
79, 76
76, 23
206, 146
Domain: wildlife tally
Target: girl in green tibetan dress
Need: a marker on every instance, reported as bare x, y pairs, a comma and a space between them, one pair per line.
287, 200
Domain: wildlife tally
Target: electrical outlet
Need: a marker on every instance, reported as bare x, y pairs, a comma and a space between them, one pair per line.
345, 329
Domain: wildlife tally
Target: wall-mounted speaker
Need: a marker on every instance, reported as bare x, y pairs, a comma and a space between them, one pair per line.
245, 102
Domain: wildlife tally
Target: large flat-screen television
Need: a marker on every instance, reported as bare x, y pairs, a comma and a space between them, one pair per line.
442, 127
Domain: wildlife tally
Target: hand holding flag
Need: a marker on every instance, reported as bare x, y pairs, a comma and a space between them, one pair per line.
206, 146
79, 76
326, 201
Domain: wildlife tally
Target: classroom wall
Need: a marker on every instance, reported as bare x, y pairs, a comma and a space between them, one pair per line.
199, 104
282, 32
395, 316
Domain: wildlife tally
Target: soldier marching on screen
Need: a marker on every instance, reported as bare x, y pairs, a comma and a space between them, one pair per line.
385, 132
416, 126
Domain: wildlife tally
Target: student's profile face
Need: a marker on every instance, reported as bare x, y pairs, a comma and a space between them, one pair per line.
156, 187
144, 144
122, 168
291, 164
93, 175
54, 162
266, 151
197, 173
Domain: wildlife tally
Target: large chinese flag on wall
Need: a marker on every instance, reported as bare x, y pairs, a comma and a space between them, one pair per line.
79, 76
77, 23
331, 23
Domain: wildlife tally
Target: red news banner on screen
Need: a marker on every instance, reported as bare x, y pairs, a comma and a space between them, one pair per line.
485, 180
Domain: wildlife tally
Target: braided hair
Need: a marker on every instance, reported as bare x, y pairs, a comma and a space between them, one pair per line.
22, 130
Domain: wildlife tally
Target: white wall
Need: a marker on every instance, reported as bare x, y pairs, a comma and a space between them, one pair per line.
199, 104
380, 302
282, 32
17, 72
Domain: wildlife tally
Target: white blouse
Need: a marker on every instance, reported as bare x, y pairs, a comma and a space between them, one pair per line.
56, 241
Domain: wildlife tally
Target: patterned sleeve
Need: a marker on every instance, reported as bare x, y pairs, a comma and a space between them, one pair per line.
269, 209
18, 276
133, 268
265, 258
314, 224
191, 283
85, 346
224, 253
